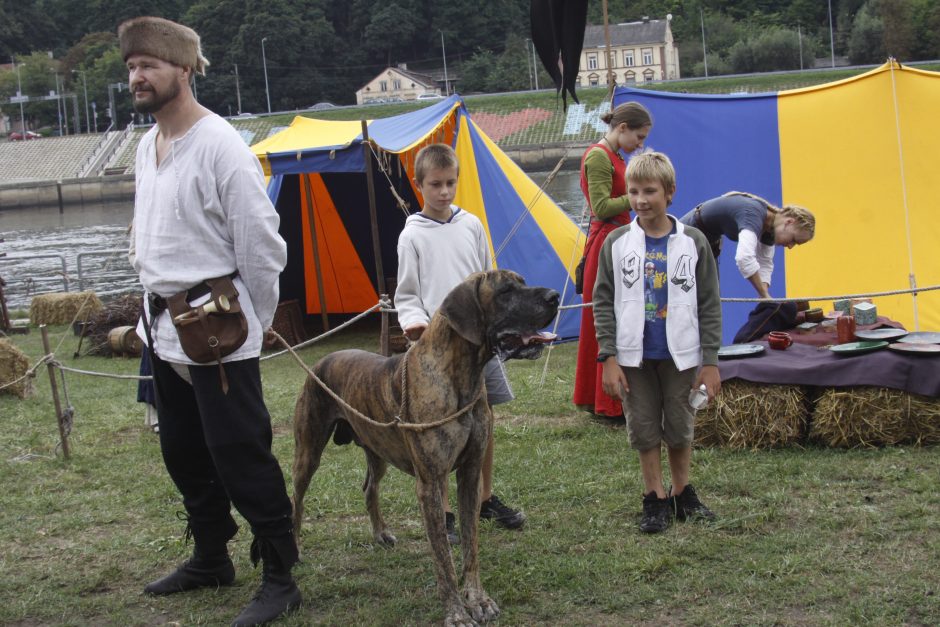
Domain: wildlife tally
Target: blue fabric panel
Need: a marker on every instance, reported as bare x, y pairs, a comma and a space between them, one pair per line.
397, 133
528, 252
274, 187
348, 159
719, 144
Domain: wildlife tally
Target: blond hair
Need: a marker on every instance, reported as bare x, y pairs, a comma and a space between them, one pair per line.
434, 157
634, 114
802, 217
652, 166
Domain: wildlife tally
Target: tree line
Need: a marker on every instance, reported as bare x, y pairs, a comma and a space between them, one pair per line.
324, 50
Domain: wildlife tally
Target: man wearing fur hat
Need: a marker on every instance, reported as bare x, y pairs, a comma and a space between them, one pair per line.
201, 212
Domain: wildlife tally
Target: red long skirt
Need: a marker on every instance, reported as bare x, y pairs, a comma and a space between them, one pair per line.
588, 393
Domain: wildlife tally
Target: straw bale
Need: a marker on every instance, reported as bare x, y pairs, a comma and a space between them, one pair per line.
63, 308
866, 417
121, 312
753, 415
13, 365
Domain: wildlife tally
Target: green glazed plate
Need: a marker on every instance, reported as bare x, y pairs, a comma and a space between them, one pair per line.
733, 351
880, 334
915, 349
921, 337
856, 348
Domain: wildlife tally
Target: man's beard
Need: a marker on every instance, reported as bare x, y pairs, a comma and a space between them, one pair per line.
157, 100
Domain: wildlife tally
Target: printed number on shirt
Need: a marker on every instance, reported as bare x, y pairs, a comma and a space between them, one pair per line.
630, 269
684, 276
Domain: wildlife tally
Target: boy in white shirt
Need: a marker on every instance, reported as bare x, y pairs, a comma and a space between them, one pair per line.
439, 248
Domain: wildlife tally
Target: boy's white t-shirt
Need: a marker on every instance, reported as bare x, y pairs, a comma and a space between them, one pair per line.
433, 257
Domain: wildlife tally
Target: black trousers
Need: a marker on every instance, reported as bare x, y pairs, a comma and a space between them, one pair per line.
217, 449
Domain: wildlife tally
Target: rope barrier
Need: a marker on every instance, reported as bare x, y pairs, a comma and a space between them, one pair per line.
385, 307
397, 422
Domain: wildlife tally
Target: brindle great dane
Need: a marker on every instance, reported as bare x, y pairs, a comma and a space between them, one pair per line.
489, 313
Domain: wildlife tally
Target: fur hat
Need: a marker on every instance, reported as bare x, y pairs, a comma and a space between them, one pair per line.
163, 39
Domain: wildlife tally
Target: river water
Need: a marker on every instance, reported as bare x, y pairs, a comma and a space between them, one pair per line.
38, 241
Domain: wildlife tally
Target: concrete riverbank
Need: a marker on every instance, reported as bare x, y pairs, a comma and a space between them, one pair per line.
120, 188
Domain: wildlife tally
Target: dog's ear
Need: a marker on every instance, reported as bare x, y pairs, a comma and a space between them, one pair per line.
463, 311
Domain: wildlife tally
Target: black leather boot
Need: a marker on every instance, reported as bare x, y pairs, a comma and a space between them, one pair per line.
204, 569
278, 593
209, 567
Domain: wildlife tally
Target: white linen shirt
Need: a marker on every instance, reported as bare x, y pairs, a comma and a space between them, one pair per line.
203, 213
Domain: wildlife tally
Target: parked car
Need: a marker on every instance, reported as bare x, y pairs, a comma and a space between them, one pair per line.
321, 106
430, 97
17, 136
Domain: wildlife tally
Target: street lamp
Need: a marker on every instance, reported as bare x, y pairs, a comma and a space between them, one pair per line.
832, 47
85, 89
528, 67
264, 61
701, 15
19, 95
535, 65
444, 54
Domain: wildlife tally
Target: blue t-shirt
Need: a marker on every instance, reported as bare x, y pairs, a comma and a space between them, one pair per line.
656, 298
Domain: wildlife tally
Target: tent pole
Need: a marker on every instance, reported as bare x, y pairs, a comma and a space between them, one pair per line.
376, 247
316, 253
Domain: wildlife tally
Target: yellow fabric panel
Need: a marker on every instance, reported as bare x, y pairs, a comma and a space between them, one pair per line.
562, 233
469, 196
307, 134
842, 146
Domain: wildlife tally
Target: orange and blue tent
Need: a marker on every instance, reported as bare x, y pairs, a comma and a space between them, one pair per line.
860, 153
319, 183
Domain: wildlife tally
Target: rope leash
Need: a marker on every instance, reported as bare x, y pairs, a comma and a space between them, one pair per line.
397, 422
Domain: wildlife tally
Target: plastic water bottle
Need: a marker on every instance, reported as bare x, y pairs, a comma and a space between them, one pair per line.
698, 397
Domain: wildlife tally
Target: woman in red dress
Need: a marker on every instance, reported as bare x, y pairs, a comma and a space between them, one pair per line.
604, 185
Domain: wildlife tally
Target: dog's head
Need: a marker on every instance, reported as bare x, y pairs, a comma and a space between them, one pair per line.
498, 310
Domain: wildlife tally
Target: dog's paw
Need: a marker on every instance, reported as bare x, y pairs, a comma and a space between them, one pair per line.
481, 607
385, 538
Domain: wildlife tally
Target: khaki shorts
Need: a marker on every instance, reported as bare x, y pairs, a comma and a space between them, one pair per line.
657, 408
497, 384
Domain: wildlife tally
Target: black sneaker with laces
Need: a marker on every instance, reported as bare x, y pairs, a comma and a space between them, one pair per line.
503, 515
657, 513
450, 523
688, 507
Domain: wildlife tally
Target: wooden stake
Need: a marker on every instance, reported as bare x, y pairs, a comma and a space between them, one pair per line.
63, 437
383, 337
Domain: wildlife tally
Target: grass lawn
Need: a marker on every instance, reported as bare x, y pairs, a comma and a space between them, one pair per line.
804, 536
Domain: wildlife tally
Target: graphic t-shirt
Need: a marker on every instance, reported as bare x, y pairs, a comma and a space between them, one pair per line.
656, 298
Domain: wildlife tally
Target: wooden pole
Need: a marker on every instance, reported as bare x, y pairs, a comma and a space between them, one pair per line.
373, 218
384, 346
318, 270
63, 436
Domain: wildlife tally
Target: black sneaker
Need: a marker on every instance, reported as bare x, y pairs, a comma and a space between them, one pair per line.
657, 513
450, 523
688, 507
494, 509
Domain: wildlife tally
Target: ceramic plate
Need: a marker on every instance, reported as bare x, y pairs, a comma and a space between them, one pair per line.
921, 337
916, 349
880, 334
739, 350
856, 348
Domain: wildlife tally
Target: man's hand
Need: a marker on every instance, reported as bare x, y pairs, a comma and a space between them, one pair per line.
613, 381
710, 376
415, 331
